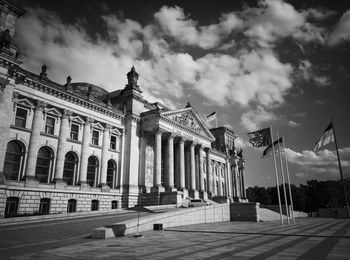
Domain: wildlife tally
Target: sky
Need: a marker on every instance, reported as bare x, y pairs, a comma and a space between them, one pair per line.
256, 63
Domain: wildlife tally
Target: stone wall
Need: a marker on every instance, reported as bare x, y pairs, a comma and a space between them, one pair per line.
245, 211
29, 200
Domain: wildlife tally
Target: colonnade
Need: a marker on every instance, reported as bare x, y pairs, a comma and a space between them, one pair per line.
62, 147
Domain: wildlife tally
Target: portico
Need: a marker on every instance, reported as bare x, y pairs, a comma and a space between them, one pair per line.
178, 139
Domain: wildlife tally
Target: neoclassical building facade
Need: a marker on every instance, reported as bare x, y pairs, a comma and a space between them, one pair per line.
75, 147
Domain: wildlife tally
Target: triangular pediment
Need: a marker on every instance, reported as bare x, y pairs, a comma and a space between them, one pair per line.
24, 102
77, 119
190, 119
53, 111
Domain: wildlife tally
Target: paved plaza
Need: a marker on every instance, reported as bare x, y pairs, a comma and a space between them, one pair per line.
309, 238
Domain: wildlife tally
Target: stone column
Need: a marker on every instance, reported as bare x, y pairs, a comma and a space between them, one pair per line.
241, 168
62, 144
193, 191
170, 163
209, 174
34, 142
235, 179
182, 164
203, 194
157, 180
104, 157
85, 152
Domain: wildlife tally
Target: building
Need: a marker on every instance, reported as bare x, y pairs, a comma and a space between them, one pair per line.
76, 147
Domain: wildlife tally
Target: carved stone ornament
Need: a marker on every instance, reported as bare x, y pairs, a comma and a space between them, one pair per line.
67, 113
89, 121
108, 128
149, 157
188, 120
40, 105
3, 83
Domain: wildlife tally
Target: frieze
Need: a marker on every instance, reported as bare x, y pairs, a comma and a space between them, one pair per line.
188, 120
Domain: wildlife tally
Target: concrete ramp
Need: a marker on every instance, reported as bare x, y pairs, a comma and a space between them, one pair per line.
269, 215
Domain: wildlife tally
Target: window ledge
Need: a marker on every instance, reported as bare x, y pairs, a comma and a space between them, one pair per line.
74, 141
113, 150
49, 135
21, 128
96, 146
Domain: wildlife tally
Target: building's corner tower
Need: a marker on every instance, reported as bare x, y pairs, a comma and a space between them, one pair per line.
9, 61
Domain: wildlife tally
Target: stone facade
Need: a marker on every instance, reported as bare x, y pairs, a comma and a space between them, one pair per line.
76, 147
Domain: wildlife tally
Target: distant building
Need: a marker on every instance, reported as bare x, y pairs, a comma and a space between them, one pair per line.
76, 147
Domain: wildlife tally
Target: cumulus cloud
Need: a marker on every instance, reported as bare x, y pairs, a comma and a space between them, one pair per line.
255, 119
322, 162
307, 71
341, 32
293, 123
175, 23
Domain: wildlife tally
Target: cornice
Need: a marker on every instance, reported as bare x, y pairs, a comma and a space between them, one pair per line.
58, 91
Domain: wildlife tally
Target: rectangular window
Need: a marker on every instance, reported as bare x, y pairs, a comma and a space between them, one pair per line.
113, 142
50, 125
21, 117
74, 132
95, 137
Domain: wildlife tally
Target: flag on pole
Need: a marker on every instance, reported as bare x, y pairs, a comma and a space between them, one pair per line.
211, 117
326, 138
268, 151
260, 138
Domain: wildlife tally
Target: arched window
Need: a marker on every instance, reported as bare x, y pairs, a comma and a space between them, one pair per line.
223, 189
91, 176
205, 185
204, 166
44, 164
72, 206
70, 166
217, 188
14, 160
44, 207
111, 173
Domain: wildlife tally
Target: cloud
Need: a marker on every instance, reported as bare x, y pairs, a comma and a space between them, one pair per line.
255, 119
323, 162
341, 33
293, 123
275, 19
307, 72
254, 77
174, 22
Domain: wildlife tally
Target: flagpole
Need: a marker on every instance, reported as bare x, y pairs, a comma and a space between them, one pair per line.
340, 170
277, 183
283, 180
290, 191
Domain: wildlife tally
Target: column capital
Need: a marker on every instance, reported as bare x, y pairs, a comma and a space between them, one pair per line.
108, 128
207, 150
158, 130
40, 105
89, 121
192, 143
66, 114
3, 83
171, 136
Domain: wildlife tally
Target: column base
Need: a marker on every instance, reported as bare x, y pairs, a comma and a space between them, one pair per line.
157, 189
194, 194
105, 188
203, 195
171, 189
84, 185
184, 193
59, 184
31, 181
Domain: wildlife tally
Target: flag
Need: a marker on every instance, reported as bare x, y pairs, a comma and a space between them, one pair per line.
268, 149
260, 138
326, 138
211, 117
